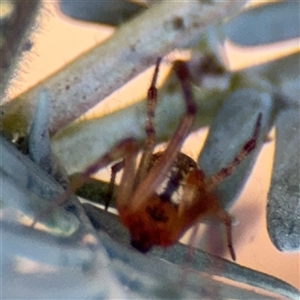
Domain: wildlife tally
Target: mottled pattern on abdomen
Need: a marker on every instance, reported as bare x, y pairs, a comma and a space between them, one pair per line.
171, 189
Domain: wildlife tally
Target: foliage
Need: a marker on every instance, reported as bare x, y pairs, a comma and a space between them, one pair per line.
230, 109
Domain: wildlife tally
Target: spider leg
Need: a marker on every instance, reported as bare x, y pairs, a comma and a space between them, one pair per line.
191, 208
225, 218
126, 186
242, 154
115, 169
125, 148
197, 204
159, 171
150, 130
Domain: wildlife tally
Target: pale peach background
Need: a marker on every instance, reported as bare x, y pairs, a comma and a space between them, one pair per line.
59, 40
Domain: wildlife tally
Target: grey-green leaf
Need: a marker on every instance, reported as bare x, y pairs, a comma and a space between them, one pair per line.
283, 75
15, 28
39, 139
26, 188
111, 13
283, 211
199, 262
271, 23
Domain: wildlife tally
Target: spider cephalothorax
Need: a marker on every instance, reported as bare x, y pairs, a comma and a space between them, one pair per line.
163, 195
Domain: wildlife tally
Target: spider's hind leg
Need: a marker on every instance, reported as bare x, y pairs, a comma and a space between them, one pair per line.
225, 218
197, 204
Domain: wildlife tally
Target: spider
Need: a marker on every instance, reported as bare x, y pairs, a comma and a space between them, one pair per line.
166, 193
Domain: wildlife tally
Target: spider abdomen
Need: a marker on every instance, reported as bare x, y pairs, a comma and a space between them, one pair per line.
171, 189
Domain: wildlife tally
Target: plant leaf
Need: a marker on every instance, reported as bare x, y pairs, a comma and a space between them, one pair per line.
96, 74
111, 13
283, 210
26, 188
200, 262
15, 27
282, 75
265, 24
39, 139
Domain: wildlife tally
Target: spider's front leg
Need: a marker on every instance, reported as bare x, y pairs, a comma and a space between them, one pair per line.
154, 178
149, 127
249, 146
126, 149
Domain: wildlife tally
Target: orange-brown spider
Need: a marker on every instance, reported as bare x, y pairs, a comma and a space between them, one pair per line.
146, 197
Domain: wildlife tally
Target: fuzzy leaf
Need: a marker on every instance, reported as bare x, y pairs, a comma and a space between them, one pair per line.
283, 76
16, 22
265, 24
39, 139
99, 72
283, 210
25, 188
201, 261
